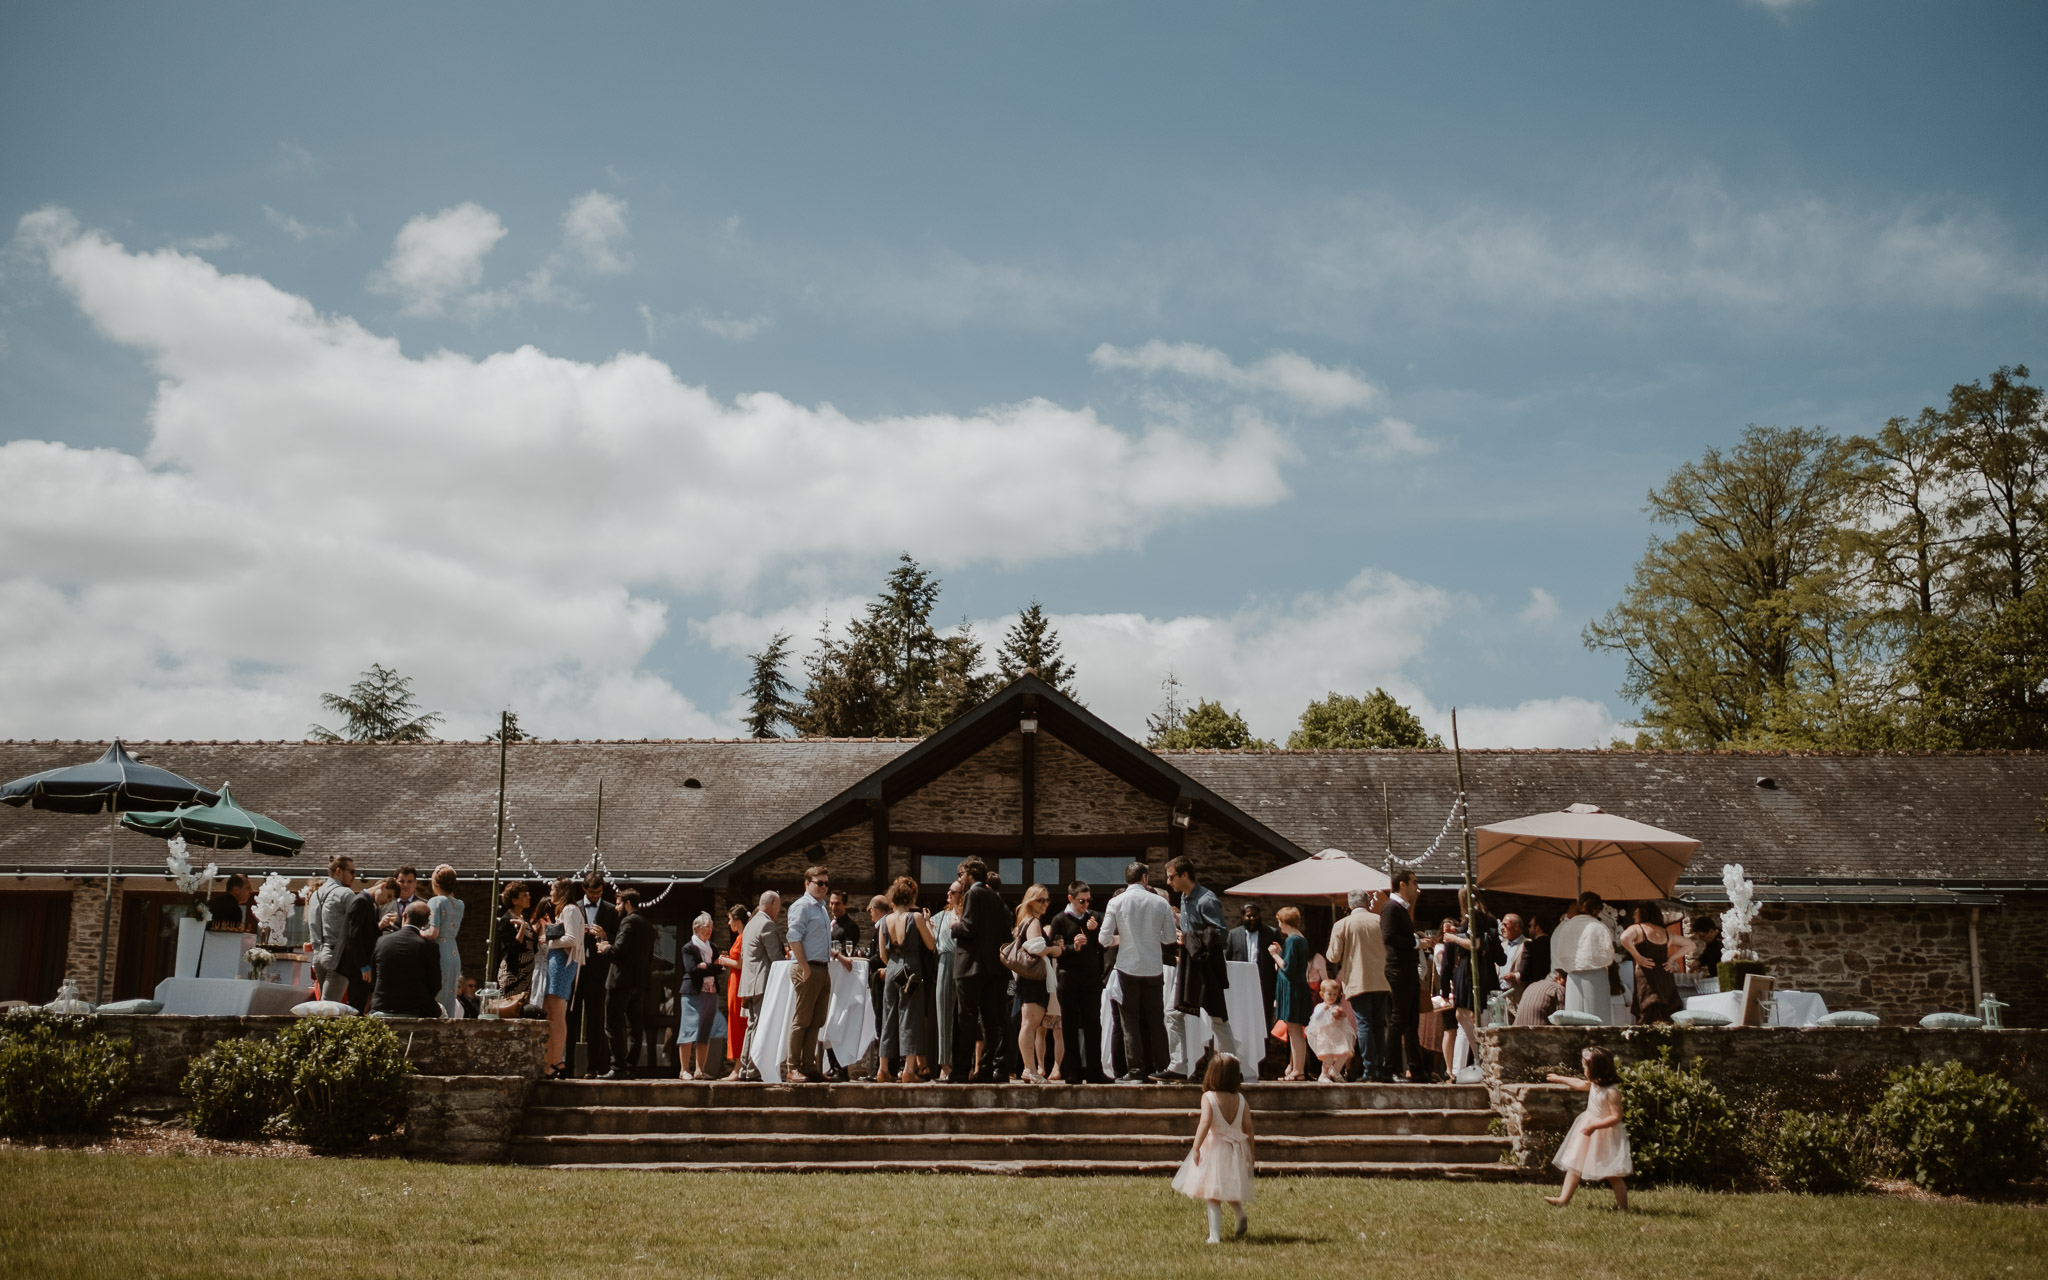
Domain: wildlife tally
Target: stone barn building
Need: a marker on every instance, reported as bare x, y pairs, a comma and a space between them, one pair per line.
1896, 883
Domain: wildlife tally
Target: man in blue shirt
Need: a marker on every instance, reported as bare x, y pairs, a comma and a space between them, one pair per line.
810, 950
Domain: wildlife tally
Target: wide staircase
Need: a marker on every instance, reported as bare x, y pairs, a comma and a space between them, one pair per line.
1412, 1131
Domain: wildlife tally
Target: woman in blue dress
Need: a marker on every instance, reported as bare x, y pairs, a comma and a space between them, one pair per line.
443, 923
1293, 998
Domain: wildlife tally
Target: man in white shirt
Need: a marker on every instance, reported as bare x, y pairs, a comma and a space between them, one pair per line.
1139, 924
1583, 946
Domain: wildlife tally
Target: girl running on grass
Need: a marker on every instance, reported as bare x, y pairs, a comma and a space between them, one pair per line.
1596, 1148
1219, 1168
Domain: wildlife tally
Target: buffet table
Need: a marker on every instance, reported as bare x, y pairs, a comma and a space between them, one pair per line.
849, 1017
227, 997
1245, 1001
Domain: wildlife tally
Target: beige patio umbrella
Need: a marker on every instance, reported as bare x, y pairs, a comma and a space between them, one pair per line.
1330, 874
1552, 855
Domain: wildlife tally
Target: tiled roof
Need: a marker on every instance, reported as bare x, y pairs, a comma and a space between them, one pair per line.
1960, 817
428, 803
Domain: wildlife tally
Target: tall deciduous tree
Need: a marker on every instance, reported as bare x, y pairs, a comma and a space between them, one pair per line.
380, 707
770, 702
1176, 726
1996, 449
1740, 620
1376, 720
1032, 645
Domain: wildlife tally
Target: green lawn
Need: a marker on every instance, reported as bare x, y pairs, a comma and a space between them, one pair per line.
72, 1213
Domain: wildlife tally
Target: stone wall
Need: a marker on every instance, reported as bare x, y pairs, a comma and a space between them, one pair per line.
82, 961
463, 1119
165, 1047
1903, 962
1077, 796
984, 794
1765, 1069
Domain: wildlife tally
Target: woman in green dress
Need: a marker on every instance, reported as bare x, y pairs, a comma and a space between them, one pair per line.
1293, 998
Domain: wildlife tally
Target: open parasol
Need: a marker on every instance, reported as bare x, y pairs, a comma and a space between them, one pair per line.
224, 824
1556, 855
1329, 874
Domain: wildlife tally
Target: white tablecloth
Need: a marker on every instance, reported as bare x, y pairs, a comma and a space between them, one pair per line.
227, 997
1244, 999
849, 1017
1792, 1008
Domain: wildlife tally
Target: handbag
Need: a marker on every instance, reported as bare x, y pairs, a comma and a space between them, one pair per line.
1279, 1029
1021, 962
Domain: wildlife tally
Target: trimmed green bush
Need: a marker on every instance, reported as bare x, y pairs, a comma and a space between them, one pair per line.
346, 1080
1958, 1132
57, 1075
1820, 1154
1680, 1128
236, 1089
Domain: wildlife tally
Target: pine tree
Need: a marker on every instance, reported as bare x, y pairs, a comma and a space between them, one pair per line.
1171, 715
891, 674
768, 690
1032, 645
511, 730
379, 707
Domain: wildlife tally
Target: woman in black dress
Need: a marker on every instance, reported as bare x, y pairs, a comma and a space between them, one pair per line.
908, 945
1648, 944
1034, 993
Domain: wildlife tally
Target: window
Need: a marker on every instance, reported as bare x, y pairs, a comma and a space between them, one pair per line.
1101, 871
1012, 872
35, 939
937, 868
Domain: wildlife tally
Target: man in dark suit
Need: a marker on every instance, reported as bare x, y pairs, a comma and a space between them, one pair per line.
632, 968
1079, 930
230, 907
1404, 980
359, 953
1249, 942
408, 970
586, 1011
980, 979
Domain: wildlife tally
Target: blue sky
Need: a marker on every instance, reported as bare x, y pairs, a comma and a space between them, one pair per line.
559, 356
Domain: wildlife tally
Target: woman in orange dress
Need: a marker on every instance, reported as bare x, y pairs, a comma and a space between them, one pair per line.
735, 1011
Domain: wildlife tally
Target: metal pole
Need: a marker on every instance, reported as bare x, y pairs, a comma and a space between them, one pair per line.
1387, 816
1471, 890
99, 991
489, 991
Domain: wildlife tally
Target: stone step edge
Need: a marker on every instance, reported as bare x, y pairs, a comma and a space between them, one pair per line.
1438, 1171
1434, 1113
1283, 1141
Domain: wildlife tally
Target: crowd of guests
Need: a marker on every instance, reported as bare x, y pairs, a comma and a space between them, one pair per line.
979, 991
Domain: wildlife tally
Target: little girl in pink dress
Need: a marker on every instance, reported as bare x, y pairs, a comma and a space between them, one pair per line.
1219, 1168
1596, 1147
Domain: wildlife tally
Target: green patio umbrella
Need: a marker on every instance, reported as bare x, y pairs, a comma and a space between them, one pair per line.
220, 825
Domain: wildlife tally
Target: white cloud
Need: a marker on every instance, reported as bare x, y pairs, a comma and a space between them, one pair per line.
438, 256
302, 231
207, 243
1541, 610
1317, 388
296, 160
594, 231
314, 499
1390, 440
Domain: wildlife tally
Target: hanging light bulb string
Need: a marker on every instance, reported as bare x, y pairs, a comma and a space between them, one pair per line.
1450, 821
596, 859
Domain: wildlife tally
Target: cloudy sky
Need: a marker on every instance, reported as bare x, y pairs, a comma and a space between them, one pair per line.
558, 356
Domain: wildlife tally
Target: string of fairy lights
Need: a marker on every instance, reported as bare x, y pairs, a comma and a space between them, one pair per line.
596, 859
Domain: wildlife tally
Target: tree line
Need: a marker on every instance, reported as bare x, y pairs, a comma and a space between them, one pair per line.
1861, 592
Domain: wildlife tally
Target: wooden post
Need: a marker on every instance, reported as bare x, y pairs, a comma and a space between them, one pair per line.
1387, 816
1471, 889
878, 820
490, 983
1029, 788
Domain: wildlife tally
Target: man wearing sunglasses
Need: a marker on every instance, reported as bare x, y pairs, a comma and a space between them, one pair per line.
810, 950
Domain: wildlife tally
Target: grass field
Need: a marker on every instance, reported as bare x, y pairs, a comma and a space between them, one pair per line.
73, 1213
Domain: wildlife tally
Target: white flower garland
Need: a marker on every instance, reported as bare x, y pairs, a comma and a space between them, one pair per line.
1741, 914
273, 909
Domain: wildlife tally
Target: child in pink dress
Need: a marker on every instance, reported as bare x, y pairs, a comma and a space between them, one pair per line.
1596, 1148
1219, 1168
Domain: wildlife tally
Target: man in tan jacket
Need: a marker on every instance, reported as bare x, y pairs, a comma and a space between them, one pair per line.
1359, 958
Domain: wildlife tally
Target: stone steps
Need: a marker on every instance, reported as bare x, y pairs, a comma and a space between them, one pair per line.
886, 1122
1433, 1131
1490, 1172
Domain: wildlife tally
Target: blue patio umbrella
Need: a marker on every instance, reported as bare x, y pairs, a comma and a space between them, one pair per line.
118, 783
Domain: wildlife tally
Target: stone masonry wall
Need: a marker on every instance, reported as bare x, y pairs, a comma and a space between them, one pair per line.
463, 1119
1903, 962
1077, 796
1766, 1069
165, 1047
82, 961
983, 795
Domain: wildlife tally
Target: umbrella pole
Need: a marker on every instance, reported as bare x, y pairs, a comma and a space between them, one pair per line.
1471, 890
489, 992
99, 991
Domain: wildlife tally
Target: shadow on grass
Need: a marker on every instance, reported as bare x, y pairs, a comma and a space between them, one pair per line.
1280, 1237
